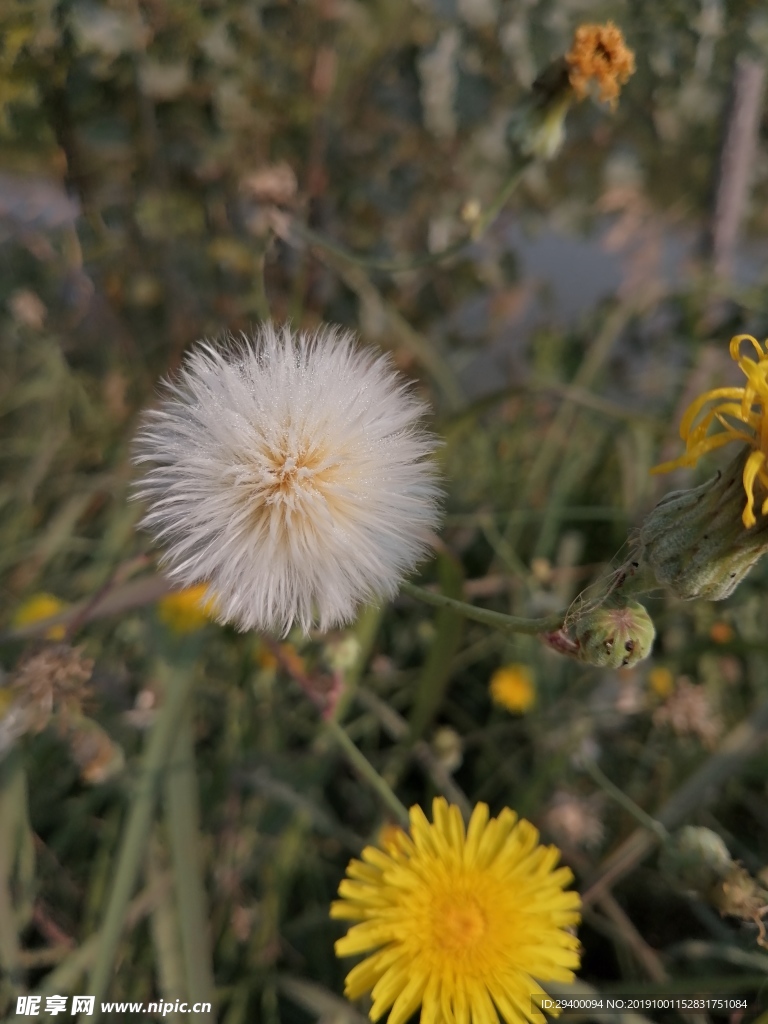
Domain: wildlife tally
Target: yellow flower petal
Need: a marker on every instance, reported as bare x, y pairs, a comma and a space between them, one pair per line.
751, 469
698, 404
747, 405
735, 346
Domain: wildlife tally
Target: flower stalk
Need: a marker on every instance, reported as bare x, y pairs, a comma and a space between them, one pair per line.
136, 832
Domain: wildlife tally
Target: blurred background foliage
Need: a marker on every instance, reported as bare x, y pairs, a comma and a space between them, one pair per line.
165, 170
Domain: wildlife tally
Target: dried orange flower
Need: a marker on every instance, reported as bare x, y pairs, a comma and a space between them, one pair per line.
599, 53
721, 633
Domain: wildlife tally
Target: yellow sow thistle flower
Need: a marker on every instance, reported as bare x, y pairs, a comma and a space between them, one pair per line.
748, 407
661, 681
512, 687
187, 610
458, 921
38, 608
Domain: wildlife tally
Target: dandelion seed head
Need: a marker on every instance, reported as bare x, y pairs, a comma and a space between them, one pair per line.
289, 471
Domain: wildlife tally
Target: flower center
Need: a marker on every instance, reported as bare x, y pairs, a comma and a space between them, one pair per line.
602, 53
460, 923
290, 473
290, 478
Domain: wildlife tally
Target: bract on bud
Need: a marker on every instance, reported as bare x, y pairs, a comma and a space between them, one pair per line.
695, 542
538, 127
615, 634
699, 861
696, 859
741, 895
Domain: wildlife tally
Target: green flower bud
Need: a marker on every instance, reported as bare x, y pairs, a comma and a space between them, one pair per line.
695, 542
538, 127
696, 859
614, 634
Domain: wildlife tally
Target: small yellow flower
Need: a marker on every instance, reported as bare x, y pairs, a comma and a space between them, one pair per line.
458, 921
283, 656
186, 611
38, 608
512, 687
661, 681
748, 407
265, 658
599, 53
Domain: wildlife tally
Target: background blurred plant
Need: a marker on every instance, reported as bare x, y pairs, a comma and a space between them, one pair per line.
169, 170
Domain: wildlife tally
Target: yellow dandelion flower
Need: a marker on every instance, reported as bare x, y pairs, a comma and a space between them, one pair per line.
458, 921
187, 610
747, 407
661, 681
599, 54
38, 608
512, 687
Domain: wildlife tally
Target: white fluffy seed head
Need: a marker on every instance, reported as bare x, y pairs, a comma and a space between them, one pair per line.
290, 472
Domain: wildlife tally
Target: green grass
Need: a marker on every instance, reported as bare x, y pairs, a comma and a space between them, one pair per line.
208, 863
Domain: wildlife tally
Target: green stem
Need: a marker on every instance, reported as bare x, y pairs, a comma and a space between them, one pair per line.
494, 209
496, 620
259, 296
182, 816
621, 798
362, 765
560, 433
16, 866
479, 228
136, 833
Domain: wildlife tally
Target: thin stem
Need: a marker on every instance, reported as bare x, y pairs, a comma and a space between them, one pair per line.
560, 432
136, 833
259, 295
362, 765
507, 624
743, 742
478, 229
15, 849
377, 262
182, 816
621, 798
71, 970
482, 224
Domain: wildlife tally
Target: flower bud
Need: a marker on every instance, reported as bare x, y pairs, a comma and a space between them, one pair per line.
740, 895
448, 748
95, 753
614, 634
696, 859
695, 542
538, 127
